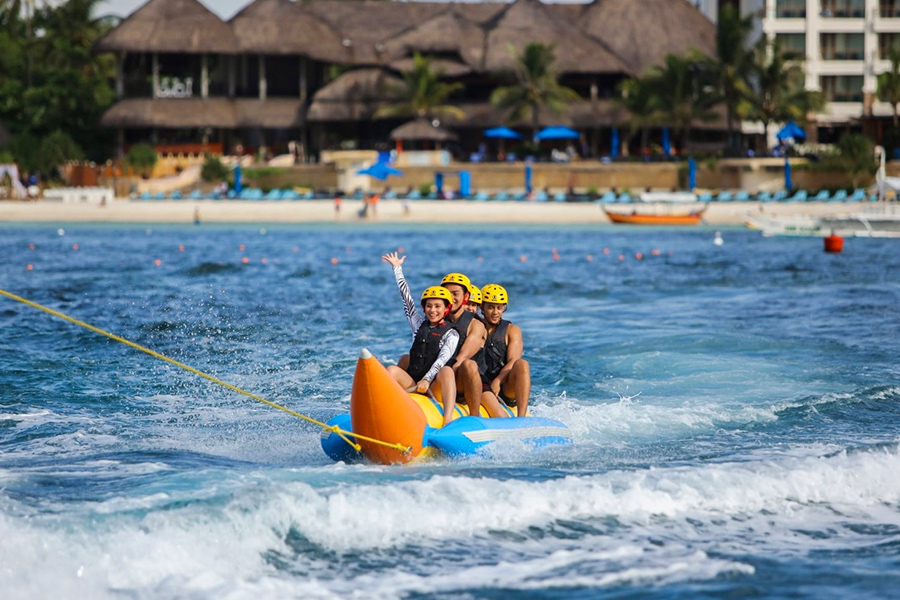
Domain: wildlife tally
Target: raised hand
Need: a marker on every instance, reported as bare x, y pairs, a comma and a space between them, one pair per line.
393, 258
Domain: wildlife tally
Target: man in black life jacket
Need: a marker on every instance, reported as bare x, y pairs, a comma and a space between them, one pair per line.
468, 364
507, 375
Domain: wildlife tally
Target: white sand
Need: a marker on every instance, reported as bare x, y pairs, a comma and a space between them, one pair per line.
388, 211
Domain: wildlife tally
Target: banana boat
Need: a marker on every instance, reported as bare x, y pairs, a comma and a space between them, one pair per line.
382, 410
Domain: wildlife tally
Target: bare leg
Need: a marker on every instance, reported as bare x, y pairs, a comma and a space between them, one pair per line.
469, 381
493, 405
401, 377
403, 363
445, 385
518, 386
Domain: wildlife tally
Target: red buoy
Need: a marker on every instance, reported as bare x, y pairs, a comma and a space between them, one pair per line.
834, 243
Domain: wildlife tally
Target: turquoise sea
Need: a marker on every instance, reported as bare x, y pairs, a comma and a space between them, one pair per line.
735, 408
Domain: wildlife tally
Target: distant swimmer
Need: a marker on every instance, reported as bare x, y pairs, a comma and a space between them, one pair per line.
435, 342
507, 375
196, 215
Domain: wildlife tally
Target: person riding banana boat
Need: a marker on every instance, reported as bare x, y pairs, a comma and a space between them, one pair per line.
507, 375
474, 302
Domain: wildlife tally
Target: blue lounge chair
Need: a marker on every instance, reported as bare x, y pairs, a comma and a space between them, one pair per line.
309, 195
607, 198
274, 194
725, 197
705, 197
144, 196
822, 196
541, 196
839, 196
764, 197
858, 196
742, 196
176, 195
799, 196
414, 195
501, 195
482, 196
559, 197
780, 196
159, 196
624, 198
195, 195
290, 195
390, 195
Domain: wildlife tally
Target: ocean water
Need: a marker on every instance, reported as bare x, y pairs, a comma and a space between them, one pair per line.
736, 413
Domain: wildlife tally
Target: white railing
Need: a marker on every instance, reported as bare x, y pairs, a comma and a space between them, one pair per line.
80, 195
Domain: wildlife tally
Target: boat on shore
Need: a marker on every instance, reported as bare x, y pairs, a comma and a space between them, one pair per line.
656, 213
382, 410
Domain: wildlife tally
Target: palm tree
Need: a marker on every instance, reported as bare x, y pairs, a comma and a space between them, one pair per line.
776, 81
422, 94
733, 63
683, 92
889, 82
537, 86
638, 98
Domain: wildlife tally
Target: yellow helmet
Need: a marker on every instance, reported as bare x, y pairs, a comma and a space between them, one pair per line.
459, 279
474, 295
495, 294
437, 291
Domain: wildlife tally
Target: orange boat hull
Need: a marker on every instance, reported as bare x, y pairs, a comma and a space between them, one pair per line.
646, 219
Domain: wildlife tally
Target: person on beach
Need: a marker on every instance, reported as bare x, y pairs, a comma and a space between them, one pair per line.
337, 207
468, 364
507, 375
435, 342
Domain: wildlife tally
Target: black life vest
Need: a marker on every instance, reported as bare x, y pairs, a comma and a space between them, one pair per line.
425, 348
462, 328
495, 351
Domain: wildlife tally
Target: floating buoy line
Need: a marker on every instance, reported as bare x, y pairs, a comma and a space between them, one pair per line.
344, 434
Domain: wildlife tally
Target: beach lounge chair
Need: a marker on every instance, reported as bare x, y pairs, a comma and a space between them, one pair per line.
274, 194
624, 198
159, 196
780, 196
742, 196
858, 196
764, 197
290, 195
541, 196
799, 196
839, 196
559, 197
705, 197
822, 196
414, 195
144, 196
725, 197
195, 195
607, 198
482, 196
390, 195
501, 195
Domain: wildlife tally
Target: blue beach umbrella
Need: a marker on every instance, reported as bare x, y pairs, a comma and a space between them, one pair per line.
528, 177
791, 131
666, 142
557, 132
380, 171
788, 184
238, 186
614, 143
503, 133
692, 174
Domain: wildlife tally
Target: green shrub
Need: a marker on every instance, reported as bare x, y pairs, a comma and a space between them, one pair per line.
24, 148
142, 157
214, 170
593, 191
425, 188
55, 150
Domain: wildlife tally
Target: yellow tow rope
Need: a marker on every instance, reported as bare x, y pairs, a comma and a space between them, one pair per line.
333, 428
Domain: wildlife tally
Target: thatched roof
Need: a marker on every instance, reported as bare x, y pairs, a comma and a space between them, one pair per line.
180, 26
447, 68
447, 34
353, 96
641, 41
283, 27
422, 129
526, 21
170, 113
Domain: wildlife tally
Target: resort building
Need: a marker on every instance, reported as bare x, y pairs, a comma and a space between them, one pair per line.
315, 72
846, 46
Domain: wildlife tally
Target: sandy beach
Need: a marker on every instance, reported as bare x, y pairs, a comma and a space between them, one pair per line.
388, 211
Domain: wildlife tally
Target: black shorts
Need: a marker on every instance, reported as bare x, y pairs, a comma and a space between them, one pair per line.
486, 387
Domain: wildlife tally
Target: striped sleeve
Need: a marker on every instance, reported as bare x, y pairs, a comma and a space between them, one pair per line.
449, 341
409, 305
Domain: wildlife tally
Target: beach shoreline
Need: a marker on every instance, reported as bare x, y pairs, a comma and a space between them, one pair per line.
387, 212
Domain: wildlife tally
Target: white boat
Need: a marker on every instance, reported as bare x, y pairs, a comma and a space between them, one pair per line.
882, 221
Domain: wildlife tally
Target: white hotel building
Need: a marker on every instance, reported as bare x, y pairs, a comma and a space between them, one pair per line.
846, 46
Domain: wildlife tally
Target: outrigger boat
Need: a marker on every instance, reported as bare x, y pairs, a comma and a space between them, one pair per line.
382, 410
639, 215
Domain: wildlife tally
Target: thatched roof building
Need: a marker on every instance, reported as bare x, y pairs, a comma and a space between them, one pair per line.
220, 113
422, 129
457, 40
175, 26
353, 96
